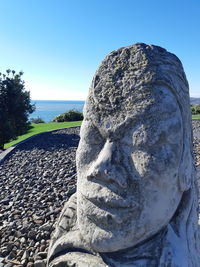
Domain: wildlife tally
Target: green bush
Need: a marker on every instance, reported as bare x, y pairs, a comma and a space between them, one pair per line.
71, 115
195, 109
37, 120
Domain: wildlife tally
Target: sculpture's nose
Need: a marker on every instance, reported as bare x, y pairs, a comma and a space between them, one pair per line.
108, 166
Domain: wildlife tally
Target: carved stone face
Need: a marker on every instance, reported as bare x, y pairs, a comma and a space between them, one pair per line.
128, 173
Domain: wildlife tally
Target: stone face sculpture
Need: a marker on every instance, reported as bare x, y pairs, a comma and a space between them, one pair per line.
136, 201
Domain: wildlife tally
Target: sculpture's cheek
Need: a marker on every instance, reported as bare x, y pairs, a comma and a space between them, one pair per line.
157, 161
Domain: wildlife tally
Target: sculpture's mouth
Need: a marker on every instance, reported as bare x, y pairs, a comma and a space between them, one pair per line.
107, 211
108, 201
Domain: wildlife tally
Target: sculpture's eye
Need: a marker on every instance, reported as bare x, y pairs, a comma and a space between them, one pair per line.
92, 136
156, 134
90, 144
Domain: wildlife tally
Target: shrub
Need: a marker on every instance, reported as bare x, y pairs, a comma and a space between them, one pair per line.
195, 109
37, 120
71, 115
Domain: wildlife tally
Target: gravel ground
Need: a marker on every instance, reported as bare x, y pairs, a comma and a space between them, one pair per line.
196, 135
35, 181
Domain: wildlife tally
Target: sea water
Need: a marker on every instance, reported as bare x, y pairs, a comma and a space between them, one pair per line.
49, 109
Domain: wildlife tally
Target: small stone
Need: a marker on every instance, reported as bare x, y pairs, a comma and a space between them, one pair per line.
11, 238
25, 255
46, 226
39, 263
23, 240
42, 255
43, 242
20, 253
38, 221
24, 262
32, 234
9, 264
37, 257
11, 255
32, 243
42, 248
10, 246
4, 252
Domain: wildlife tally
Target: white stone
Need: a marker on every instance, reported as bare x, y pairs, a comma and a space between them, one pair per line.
136, 202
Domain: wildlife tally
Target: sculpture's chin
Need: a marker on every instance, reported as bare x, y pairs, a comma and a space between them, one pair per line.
101, 240
109, 238
108, 229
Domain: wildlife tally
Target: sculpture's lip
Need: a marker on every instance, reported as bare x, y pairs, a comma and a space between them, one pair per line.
117, 203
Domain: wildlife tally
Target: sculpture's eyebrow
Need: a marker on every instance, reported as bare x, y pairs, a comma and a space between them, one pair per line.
143, 119
131, 120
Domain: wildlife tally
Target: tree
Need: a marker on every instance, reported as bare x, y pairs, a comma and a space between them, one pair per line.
15, 106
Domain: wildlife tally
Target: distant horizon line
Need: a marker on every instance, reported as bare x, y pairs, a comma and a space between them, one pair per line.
80, 99
56, 100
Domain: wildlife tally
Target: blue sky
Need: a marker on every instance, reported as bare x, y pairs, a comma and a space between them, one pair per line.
60, 43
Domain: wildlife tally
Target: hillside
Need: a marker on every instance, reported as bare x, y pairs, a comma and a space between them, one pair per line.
195, 100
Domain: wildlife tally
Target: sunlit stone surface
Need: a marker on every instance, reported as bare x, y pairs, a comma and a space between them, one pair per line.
136, 200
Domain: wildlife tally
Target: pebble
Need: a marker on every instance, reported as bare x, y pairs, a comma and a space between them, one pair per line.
35, 181
40, 263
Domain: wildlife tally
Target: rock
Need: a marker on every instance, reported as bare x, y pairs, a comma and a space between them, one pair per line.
4, 251
2, 261
70, 191
9, 264
5, 201
42, 255
23, 240
32, 234
24, 262
11, 255
46, 226
10, 246
131, 166
20, 253
40, 263
25, 255
30, 264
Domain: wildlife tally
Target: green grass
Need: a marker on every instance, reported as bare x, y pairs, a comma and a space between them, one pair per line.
43, 127
196, 117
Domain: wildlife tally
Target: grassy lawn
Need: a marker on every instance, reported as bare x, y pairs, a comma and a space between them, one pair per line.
196, 117
43, 127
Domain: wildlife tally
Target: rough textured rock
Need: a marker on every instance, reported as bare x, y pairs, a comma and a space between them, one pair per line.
136, 201
12, 167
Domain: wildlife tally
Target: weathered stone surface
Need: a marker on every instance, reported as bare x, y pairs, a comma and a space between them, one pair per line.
136, 201
12, 165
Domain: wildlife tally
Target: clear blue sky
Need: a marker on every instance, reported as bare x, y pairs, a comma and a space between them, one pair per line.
60, 43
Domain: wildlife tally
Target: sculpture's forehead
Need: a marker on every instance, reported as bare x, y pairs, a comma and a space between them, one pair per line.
159, 104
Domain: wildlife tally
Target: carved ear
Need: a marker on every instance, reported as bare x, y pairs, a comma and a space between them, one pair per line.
185, 170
